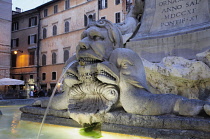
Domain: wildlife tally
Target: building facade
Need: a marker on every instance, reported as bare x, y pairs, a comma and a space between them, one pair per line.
5, 37
61, 24
58, 30
24, 48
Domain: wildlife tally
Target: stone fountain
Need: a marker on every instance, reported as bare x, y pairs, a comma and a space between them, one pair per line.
106, 82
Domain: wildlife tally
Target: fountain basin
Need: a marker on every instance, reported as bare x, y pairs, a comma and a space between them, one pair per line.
12, 127
164, 126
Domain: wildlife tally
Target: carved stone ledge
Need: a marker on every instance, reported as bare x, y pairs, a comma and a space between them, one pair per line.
164, 126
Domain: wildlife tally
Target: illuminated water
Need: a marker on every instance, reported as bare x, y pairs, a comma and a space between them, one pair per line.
11, 127
51, 97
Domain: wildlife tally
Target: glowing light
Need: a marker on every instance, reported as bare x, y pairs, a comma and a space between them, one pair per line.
16, 51
17, 129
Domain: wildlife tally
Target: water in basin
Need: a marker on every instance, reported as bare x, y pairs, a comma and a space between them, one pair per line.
11, 127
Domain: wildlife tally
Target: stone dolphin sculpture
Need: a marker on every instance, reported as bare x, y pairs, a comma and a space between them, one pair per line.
134, 93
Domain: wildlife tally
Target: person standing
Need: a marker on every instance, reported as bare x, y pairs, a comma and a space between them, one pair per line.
31, 94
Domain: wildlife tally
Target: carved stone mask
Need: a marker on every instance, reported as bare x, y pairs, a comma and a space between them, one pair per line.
97, 42
94, 47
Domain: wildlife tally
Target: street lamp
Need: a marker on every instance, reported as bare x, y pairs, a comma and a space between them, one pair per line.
16, 51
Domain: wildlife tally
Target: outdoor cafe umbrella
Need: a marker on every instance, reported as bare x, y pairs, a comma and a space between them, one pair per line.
9, 81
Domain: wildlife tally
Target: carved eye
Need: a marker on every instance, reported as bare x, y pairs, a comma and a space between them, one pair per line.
96, 38
125, 64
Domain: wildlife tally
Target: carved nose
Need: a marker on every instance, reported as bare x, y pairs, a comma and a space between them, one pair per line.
83, 45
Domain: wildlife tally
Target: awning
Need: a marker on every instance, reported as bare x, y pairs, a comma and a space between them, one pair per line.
9, 81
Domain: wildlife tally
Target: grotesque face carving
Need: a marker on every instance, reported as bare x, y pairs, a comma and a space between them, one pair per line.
94, 47
92, 80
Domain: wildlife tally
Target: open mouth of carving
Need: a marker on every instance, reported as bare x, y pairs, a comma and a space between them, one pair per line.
103, 73
107, 73
87, 61
71, 75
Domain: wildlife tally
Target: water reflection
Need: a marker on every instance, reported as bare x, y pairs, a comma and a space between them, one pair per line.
12, 128
15, 121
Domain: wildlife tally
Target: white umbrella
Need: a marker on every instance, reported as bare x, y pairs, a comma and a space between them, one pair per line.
9, 81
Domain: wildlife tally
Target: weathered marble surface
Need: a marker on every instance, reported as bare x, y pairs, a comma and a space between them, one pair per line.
172, 28
204, 56
176, 16
176, 75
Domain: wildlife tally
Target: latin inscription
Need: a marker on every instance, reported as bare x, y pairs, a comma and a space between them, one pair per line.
172, 14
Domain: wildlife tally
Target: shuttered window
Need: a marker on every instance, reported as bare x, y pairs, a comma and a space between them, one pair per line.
32, 39
32, 58
54, 30
102, 4
32, 21
54, 58
44, 33
66, 55
44, 59
66, 26
117, 17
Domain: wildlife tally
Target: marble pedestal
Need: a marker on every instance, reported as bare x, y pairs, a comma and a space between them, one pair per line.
173, 28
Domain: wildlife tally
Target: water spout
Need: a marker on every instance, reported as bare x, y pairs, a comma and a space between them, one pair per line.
51, 97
